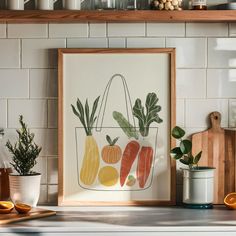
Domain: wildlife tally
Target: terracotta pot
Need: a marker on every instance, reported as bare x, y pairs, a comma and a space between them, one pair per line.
4, 183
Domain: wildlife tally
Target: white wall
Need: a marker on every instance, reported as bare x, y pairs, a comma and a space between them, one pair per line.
206, 75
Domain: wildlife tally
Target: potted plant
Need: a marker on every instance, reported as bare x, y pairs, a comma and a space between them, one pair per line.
24, 186
198, 181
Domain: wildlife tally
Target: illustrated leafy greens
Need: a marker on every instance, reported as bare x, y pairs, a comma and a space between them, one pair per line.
148, 115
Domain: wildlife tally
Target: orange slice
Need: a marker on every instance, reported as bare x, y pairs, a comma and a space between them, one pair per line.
22, 208
230, 200
6, 207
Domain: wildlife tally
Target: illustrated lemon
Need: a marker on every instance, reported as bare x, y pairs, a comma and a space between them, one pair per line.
108, 176
230, 201
22, 208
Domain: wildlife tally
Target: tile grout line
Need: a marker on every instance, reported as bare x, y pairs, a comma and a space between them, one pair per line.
21, 52
29, 82
7, 30
7, 113
89, 28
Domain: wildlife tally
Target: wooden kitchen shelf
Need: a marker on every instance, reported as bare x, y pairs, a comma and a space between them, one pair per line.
65, 16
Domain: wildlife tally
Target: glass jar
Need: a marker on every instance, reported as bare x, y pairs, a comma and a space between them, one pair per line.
143, 4
105, 4
199, 5
126, 4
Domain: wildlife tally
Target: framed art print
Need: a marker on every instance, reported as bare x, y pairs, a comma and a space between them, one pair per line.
116, 111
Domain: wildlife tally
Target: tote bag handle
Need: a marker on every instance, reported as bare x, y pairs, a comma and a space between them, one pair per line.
102, 109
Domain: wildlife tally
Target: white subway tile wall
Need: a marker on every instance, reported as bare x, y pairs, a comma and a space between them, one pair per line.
126, 30
3, 113
207, 29
206, 76
10, 53
221, 52
63, 31
145, 42
27, 31
116, 42
34, 112
40, 53
232, 29
43, 83
191, 52
165, 29
3, 31
87, 43
98, 30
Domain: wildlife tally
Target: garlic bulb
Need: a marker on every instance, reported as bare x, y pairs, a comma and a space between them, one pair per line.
166, 5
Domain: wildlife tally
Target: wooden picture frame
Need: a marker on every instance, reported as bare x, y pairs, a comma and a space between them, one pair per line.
75, 66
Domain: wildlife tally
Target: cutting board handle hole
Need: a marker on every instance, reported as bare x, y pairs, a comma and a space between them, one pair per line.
215, 118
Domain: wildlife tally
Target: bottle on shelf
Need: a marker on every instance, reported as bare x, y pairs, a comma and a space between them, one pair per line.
199, 5
105, 4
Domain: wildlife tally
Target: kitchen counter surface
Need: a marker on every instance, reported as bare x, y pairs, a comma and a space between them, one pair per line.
136, 221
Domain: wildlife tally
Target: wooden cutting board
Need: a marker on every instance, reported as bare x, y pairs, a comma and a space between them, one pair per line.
218, 146
35, 213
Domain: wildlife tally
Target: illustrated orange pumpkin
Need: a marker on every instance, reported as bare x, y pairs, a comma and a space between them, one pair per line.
111, 153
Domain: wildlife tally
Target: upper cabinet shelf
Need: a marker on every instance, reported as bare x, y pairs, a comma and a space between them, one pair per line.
65, 16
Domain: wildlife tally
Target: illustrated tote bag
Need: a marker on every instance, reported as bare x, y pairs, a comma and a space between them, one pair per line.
115, 156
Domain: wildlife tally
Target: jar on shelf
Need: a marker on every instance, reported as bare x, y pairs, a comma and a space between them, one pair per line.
199, 4
126, 4
143, 4
105, 4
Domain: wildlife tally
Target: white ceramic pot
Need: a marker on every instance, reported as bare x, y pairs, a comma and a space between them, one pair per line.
45, 4
16, 4
72, 4
25, 189
198, 185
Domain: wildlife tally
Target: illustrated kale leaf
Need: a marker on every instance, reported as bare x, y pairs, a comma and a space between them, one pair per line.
149, 116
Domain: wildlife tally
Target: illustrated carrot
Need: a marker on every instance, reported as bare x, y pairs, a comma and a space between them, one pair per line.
145, 118
91, 159
144, 165
128, 158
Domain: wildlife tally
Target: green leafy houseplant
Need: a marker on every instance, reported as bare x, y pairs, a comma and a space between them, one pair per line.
183, 153
24, 151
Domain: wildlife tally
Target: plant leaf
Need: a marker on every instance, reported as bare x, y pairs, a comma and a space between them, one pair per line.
80, 108
114, 141
95, 105
176, 150
197, 158
177, 132
80, 118
185, 162
108, 138
86, 107
185, 146
151, 115
127, 128
191, 158
138, 112
176, 153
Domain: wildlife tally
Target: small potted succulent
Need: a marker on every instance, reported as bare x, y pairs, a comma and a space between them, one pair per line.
24, 186
198, 181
